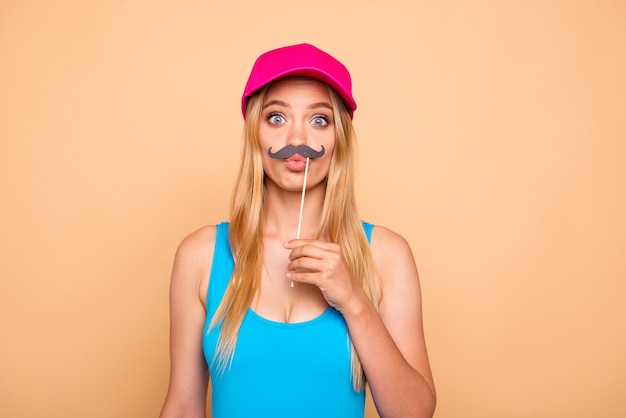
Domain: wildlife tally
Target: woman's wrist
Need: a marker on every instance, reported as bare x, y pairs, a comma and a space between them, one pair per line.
357, 306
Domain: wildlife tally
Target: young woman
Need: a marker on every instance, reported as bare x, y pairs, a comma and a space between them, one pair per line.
296, 304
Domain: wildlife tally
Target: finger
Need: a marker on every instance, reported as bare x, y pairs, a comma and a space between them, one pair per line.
305, 263
308, 251
314, 250
303, 277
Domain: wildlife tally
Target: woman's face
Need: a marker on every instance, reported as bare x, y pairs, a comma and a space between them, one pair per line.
296, 111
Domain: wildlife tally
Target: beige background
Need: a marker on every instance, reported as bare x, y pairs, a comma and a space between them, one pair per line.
493, 137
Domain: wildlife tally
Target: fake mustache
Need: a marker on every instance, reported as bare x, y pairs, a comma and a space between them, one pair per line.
290, 150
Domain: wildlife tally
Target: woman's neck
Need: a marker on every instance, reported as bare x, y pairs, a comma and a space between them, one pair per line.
283, 212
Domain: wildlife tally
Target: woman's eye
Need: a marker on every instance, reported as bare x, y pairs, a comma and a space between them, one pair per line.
275, 119
320, 121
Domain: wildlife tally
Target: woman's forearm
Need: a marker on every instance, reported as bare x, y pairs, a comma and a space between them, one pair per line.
398, 389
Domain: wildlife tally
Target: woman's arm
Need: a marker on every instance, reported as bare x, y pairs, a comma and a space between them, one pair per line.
189, 377
390, 343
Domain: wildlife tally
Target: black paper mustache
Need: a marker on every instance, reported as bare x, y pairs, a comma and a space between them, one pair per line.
290, 150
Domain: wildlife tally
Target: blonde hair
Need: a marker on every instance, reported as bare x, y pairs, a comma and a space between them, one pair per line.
339, 222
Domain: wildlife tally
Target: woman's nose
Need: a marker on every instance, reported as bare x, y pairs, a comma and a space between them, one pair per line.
297, 134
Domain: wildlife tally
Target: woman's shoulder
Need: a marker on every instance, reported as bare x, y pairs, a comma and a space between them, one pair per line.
391, 251
197, 242
194, 254
386, 240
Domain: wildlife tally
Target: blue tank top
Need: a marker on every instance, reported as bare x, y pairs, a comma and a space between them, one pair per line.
280, 370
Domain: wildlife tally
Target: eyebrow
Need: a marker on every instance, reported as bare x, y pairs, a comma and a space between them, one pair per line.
285, 104
321, 104
275, 102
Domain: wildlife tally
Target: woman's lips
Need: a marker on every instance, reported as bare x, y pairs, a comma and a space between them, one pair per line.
296, 163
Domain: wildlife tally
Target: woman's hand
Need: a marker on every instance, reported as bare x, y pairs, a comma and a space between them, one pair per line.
322, 264
389, 341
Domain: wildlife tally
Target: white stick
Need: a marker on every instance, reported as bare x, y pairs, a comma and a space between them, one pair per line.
306, 173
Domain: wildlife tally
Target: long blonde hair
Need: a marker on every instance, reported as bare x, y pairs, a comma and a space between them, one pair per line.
339, 222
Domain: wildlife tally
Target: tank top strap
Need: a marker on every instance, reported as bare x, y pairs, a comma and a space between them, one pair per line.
367, 227
221, 269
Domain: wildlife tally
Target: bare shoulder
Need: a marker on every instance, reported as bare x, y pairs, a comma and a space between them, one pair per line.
385, 237
390, 249
196, 243
194, 257
396, 266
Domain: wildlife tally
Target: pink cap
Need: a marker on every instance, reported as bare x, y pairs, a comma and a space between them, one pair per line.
299, 60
